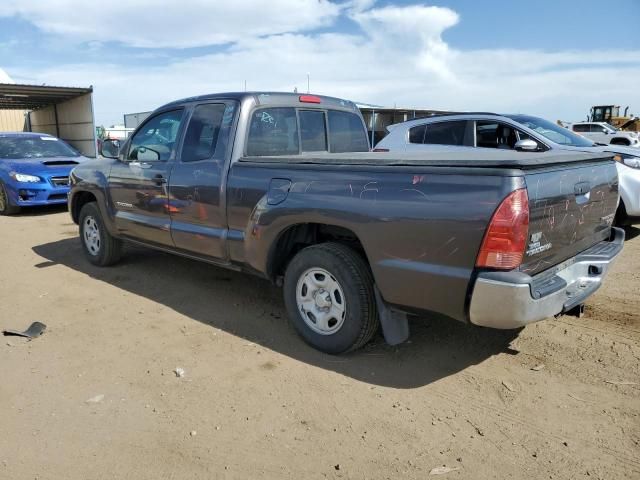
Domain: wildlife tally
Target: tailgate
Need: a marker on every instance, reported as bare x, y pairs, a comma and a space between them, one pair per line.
570, 209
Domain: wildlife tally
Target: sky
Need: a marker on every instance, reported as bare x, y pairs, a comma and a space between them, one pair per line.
545, 57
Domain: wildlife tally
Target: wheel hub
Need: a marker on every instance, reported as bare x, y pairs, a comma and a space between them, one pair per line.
321, 301
91, 235
322, 298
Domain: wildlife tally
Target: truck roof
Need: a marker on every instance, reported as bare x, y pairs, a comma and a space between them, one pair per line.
279, 98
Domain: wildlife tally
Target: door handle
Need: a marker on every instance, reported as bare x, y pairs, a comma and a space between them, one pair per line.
140, 164
159, 179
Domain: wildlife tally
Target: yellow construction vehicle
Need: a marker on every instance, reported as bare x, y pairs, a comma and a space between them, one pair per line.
611, 115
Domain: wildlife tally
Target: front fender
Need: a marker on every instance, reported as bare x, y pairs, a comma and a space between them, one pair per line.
91, 179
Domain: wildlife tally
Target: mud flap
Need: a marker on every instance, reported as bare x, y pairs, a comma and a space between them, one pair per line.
395, 325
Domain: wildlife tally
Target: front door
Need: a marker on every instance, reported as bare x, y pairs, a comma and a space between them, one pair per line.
198, 219
138, 185
598, 133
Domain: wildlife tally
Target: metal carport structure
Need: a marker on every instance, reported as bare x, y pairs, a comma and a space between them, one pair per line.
66, 112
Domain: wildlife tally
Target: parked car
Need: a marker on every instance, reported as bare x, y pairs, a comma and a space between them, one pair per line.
356, 239
34, 170
516, 132
602, 132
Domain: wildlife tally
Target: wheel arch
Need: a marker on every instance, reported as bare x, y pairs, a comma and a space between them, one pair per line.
294, 238
79, 200
620, 141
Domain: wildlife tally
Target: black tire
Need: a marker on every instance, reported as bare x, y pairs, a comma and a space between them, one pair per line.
349, 270
6, 207
109, 249
621, 219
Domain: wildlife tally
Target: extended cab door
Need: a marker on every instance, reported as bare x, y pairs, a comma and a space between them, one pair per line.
198, 218
138, 184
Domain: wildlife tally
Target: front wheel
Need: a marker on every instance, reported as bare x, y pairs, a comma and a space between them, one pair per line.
100, 247
328, 292
6, 207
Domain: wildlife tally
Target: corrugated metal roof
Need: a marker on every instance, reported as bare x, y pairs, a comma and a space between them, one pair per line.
14, 96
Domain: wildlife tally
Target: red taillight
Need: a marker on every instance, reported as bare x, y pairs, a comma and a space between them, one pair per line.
309, 99
380, 149
506, 238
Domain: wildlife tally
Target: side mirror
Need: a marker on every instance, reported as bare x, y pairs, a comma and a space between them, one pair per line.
110, 148
526, 145
145, 154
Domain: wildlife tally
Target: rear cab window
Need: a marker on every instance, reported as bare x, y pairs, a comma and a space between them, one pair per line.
313, 130
346, 133
277, 131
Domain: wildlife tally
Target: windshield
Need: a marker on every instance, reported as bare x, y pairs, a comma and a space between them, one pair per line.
608, 125
551, 131
31, 146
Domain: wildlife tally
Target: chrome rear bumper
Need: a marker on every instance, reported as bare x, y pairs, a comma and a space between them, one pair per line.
514, 299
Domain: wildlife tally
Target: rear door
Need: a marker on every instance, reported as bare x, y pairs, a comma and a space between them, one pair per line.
571, 208
138, 184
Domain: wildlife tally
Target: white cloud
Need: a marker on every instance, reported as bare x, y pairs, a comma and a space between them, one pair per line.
399, 57
4, 77
176, 24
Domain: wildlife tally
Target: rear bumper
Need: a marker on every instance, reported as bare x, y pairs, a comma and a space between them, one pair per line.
514, 299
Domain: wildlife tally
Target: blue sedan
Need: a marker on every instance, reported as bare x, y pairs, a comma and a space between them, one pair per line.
34, 170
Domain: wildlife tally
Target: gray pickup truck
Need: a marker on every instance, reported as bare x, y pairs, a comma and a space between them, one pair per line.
284, 186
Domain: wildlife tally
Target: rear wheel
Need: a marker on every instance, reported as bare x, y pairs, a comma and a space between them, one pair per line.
620, 141
621, 219
100, 247
328, 292
6, 207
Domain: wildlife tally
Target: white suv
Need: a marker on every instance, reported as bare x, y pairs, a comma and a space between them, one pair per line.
518, 133
602, 132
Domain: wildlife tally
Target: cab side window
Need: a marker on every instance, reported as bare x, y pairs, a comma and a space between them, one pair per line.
156, 140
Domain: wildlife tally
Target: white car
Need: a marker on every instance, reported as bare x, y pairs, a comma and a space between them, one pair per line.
514, 132
602, 132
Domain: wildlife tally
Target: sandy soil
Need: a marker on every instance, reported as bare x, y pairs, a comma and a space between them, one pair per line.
559, 399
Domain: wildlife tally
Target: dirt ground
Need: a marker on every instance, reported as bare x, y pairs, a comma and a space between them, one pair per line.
96, 397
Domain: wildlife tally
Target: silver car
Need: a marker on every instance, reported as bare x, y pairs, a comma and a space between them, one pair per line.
514, 132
